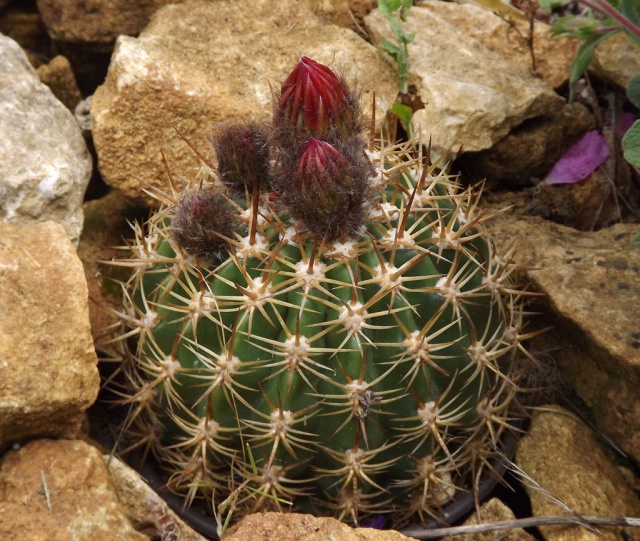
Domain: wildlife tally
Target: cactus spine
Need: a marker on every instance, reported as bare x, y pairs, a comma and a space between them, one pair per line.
320, 326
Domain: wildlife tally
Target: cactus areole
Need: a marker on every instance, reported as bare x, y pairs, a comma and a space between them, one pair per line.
330, 331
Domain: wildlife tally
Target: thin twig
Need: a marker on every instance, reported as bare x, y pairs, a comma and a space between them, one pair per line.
583, 520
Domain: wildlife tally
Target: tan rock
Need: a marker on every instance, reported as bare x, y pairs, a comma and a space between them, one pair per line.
59, 491
472, 96
96, 22
592, 285
182, 74
530, 150
58, 76
45, 165
492, 511
27, 30
617, 60
294, 527
565, 458
106, 225
144, 508
48, 373
344, 13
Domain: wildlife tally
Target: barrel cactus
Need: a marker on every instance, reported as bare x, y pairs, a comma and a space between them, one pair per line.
320, 323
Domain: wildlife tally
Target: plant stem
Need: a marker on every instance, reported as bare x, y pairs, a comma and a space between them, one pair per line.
605, 8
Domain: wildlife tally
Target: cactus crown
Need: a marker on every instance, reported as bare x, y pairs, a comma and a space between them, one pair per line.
353, 346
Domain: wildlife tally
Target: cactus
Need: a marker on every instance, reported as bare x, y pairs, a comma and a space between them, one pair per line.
320, 327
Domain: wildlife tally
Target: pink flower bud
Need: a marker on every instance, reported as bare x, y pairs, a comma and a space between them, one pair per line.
326, 190
315, 97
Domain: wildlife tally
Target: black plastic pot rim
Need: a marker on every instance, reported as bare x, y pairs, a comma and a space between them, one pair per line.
451, 512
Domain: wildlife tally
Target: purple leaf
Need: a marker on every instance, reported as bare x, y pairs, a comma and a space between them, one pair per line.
580, 160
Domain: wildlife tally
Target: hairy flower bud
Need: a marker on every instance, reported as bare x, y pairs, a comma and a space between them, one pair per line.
202, 222
243, 156
314, 98
326, 191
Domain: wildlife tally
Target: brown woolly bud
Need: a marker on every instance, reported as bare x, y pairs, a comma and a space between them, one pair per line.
243, 156
327, 189
202, 222
315, 101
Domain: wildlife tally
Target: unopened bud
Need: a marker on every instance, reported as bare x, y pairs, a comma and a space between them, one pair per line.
202, 222
243, 156
326, 192
314, 98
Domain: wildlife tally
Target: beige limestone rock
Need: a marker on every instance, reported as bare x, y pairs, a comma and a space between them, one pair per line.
553, 56
492, 511
44, 164
48, 373
144, 508
530, 150
294, 527
179, 74
344, 13
591, 282
565, 458
59, 491
617, 60
473, 96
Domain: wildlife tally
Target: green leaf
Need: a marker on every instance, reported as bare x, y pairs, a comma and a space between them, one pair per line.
391, 49
387, 7
575, 27
583, 59
631, 144
629, 9
404, 113
633, 36
636, 241
633, 91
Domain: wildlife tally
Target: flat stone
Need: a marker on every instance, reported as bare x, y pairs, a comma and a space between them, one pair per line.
60, 491
566, 459
48, 366
473, 96
44, 165
193, 67
294, 526
591, 282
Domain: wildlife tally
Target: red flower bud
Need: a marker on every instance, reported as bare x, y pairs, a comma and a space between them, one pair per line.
315, 97
326, 190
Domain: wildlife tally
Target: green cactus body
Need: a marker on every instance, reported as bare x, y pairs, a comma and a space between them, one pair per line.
344, 368
366, 367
